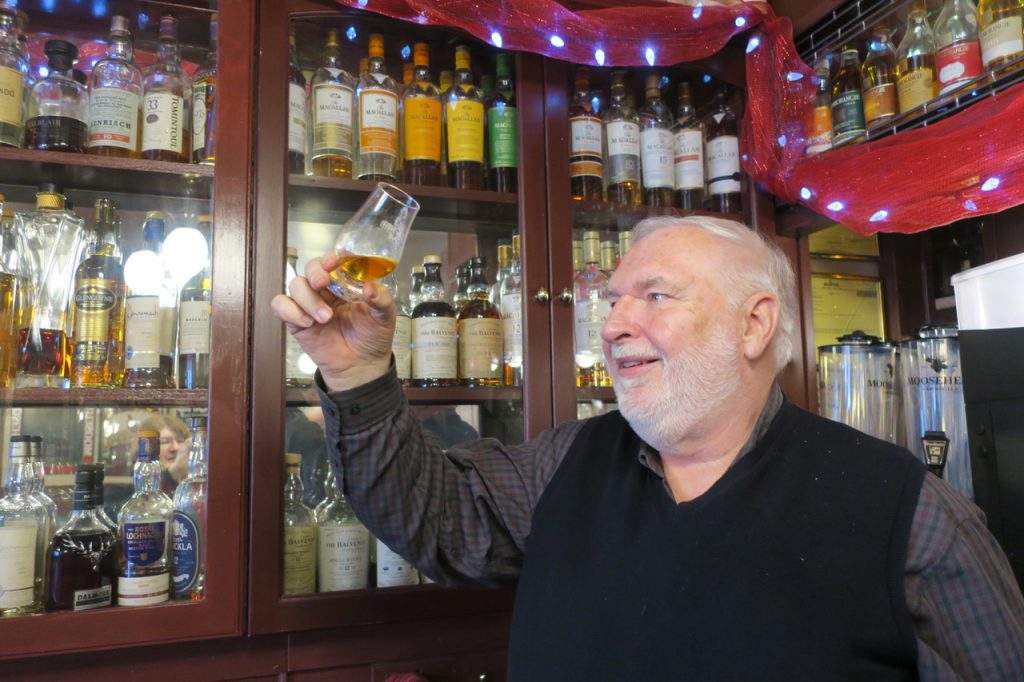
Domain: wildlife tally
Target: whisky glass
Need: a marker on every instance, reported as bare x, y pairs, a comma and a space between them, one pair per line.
370, 243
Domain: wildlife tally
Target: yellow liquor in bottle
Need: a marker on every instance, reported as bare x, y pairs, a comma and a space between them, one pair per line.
333, 93
377, 110
421, 119
464, 125
622, 147
8, 328
915, 60
878, 73
586, 134
480, 332
1001, 30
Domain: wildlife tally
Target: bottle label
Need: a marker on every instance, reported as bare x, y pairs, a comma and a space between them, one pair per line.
585, 150
378, 122
113, 118
400, 346
657, 149
724, 165
332, 119
17, 564
590, 317
92, 598
847, 116
344, 557
142, 332
144, 543
163, 123
202, 105
480, 348
12, 93
94, 301
194, 327
422, 128
623, 152
1001, 39
434, 348
958, 63
185, 539
299, 559
915, 88
465, 131
393, 570
296, 118
689, 159
820, 139
503, 135
143, 590
512, 319
880, 102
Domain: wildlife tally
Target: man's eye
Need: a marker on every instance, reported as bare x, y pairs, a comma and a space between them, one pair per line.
655, 297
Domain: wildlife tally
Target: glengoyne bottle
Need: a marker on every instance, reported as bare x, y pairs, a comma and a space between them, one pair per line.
343, 549
194, 330
13, 80
377, 113
421, 117
957, 48
878, 73
464, 126
144, 526
1001, 31
915, 60
166, 107
188, 525
511, 307
847, 100
204, 96
689, 154
723, 155
23, 523
592, 310
296, 111
150, 315
622, 147
503, 130
331, 98
300, 532
58, 108
586, 139
480, 332
115, 97
656, 146
434, 346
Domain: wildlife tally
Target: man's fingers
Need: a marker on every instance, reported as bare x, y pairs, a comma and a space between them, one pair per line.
318, 270
380, 301
289, 312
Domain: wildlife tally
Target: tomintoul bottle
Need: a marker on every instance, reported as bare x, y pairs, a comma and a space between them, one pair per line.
166, 107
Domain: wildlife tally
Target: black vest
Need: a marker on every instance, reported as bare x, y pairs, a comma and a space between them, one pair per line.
789, 568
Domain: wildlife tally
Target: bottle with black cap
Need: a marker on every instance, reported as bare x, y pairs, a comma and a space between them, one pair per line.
22, 537
101, 512
58, 107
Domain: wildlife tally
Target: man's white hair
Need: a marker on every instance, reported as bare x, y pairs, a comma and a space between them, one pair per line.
772, 273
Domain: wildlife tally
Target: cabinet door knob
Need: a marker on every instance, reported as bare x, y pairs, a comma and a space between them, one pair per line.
565, 297
542, 295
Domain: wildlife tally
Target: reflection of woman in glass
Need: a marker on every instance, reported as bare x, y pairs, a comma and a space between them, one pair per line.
175, 440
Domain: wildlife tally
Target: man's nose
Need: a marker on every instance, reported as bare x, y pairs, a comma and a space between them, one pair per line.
621, 321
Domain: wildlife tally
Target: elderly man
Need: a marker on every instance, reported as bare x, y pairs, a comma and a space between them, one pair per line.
710, 529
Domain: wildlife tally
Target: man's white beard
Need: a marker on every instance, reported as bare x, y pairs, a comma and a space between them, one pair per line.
692, 385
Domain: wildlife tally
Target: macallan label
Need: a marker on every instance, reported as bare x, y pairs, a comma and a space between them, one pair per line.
296, 118
689, 158
585, 136
657, 154
332, 118
434, 348
422, 116
465, 131
623, 138
163, 123
113, 118
503, 137
1001, 39
378, 122
344, 557
12, 93
590, 318
724, 165
17, 563
958, 63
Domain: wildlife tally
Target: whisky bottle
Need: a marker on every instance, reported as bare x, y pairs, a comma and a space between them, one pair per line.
444, 84
392, 569
592, 310
115, 97
957, 48
586, 136
144, 525
188, 525
609, 257
421, 119
656, 145
480, 331
504, 267
503, 130
434, 346
377, 114
37, 471
14, 85
464, 126
13, 288
166, 108
622, 147
1001, 31
407, 71
296, 110
97, 357
819, 139
97, 491
461, 296
300, 533
81, 558
878, 73
577, 257
23, 539
343, 544
151, 313
511, 307
416, 277
688, 161
723, 155
58, 107
194, 325
402, 339
847, 100
333, 91
915, 60
625, 244
204, 97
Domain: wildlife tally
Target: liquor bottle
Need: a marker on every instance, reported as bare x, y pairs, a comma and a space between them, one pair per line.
23, 523
58, 107
421, 119
878, 73
847, 100
622, 147
189, 527
503, 130
915, 60
14, 71
333, 90
204, 98
609, 257
343, 544
487, 86
592, 310
82, 557
723, 155
166, 106
625, 244
392, 569
296, 111
480, 331
151, 314
1001, 30
97, 357
504, 267
97, 490
464, 126
819, 138
300, 533
377, 114
957, 48
577, 257
407, 71
13, 288
656, 145
115, 97
444, 84
461, 296
194, 328
511, 307
37, 470
295, 374
434, 347
689, 153
417, 284
586, 134
402, 339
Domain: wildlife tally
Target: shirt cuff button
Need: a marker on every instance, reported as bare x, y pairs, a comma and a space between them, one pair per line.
354, 410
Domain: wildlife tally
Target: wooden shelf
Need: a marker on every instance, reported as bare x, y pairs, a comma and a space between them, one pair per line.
602, 215
88, 397
424, 396
604, 394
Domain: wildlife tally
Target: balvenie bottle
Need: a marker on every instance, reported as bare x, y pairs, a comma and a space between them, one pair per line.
300, 533
434, 347
480, 332
343, 548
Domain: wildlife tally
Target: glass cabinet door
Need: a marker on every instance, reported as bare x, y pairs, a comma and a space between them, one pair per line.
352, 101
119, 522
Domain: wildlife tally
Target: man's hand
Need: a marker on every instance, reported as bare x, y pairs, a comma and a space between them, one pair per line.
349, 342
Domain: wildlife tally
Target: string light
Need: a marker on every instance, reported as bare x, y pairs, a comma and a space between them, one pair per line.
836, 206
990, 184
782, 140
970, 205
879, 216
496, 39
406, 51
752, 44
794, 76
805, 193
698, 10
557, 41
649, 55
351, 33
740, 22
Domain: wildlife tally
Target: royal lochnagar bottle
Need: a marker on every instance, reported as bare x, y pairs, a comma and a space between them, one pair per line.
421, 119
13, 81
204, 96
188, 521
480, 332
166, 108
464, 126
1001, 31
657, 147
586, 142
503, 130
434, 345
300, 533
622, 147
592, 310
296, 111
377, 115
723, 155
115, 97
58, 108
23, 541
878, 76
343, 544
511, 307
331, 106
688, 148
847, 100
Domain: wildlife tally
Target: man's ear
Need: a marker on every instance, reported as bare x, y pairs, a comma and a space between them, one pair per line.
760, 323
